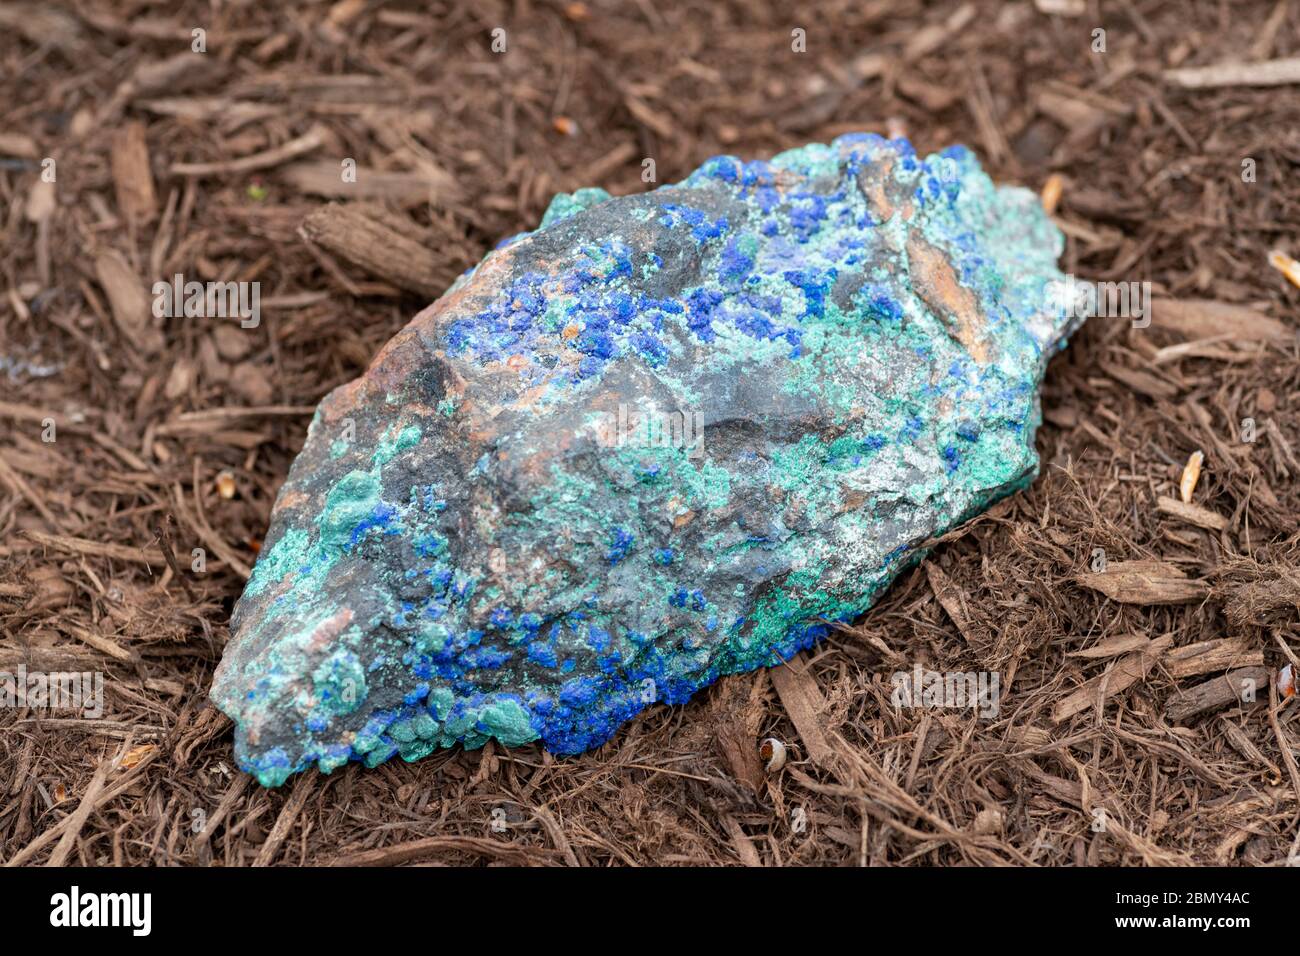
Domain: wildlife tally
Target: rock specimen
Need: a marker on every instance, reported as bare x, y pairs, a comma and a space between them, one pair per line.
663, 438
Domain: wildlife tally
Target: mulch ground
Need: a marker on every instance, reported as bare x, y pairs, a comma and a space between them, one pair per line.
1115, 741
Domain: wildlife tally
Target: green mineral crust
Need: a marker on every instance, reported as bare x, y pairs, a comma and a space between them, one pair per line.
663, 438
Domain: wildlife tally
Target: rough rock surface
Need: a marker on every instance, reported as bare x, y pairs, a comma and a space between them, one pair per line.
484, 536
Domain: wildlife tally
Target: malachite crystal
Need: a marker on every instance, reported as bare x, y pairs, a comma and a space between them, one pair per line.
663, 438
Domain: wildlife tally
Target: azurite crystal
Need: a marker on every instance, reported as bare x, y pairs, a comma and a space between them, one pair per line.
462, 552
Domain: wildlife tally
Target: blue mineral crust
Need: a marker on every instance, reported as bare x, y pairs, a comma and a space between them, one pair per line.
483, 538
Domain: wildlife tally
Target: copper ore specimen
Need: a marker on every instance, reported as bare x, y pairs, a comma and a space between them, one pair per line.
663, 438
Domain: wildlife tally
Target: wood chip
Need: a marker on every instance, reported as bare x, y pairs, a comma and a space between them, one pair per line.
930, 38
951, 598
1061, 8
118, 552
232, 795
375, 247
1244, 745
647, 115
1073, 113
1118, 677
182, 71
1066, 791
1204, 348
18, 144
1208, 657
738, 725
302, 789
802, 700
40, 202
311, 140
1113, 647
1192, 514
49, 659
325, 178
132, 310
230, 114
419, 849
740, 840
932, 96
1268, 73
1203, 319
1142, 382
100, 643
1216, 693
132, 177
1144, 582
210, 420
979, 102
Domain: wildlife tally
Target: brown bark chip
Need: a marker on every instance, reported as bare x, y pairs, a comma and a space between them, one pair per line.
1144, 582
132, 176
131, 305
